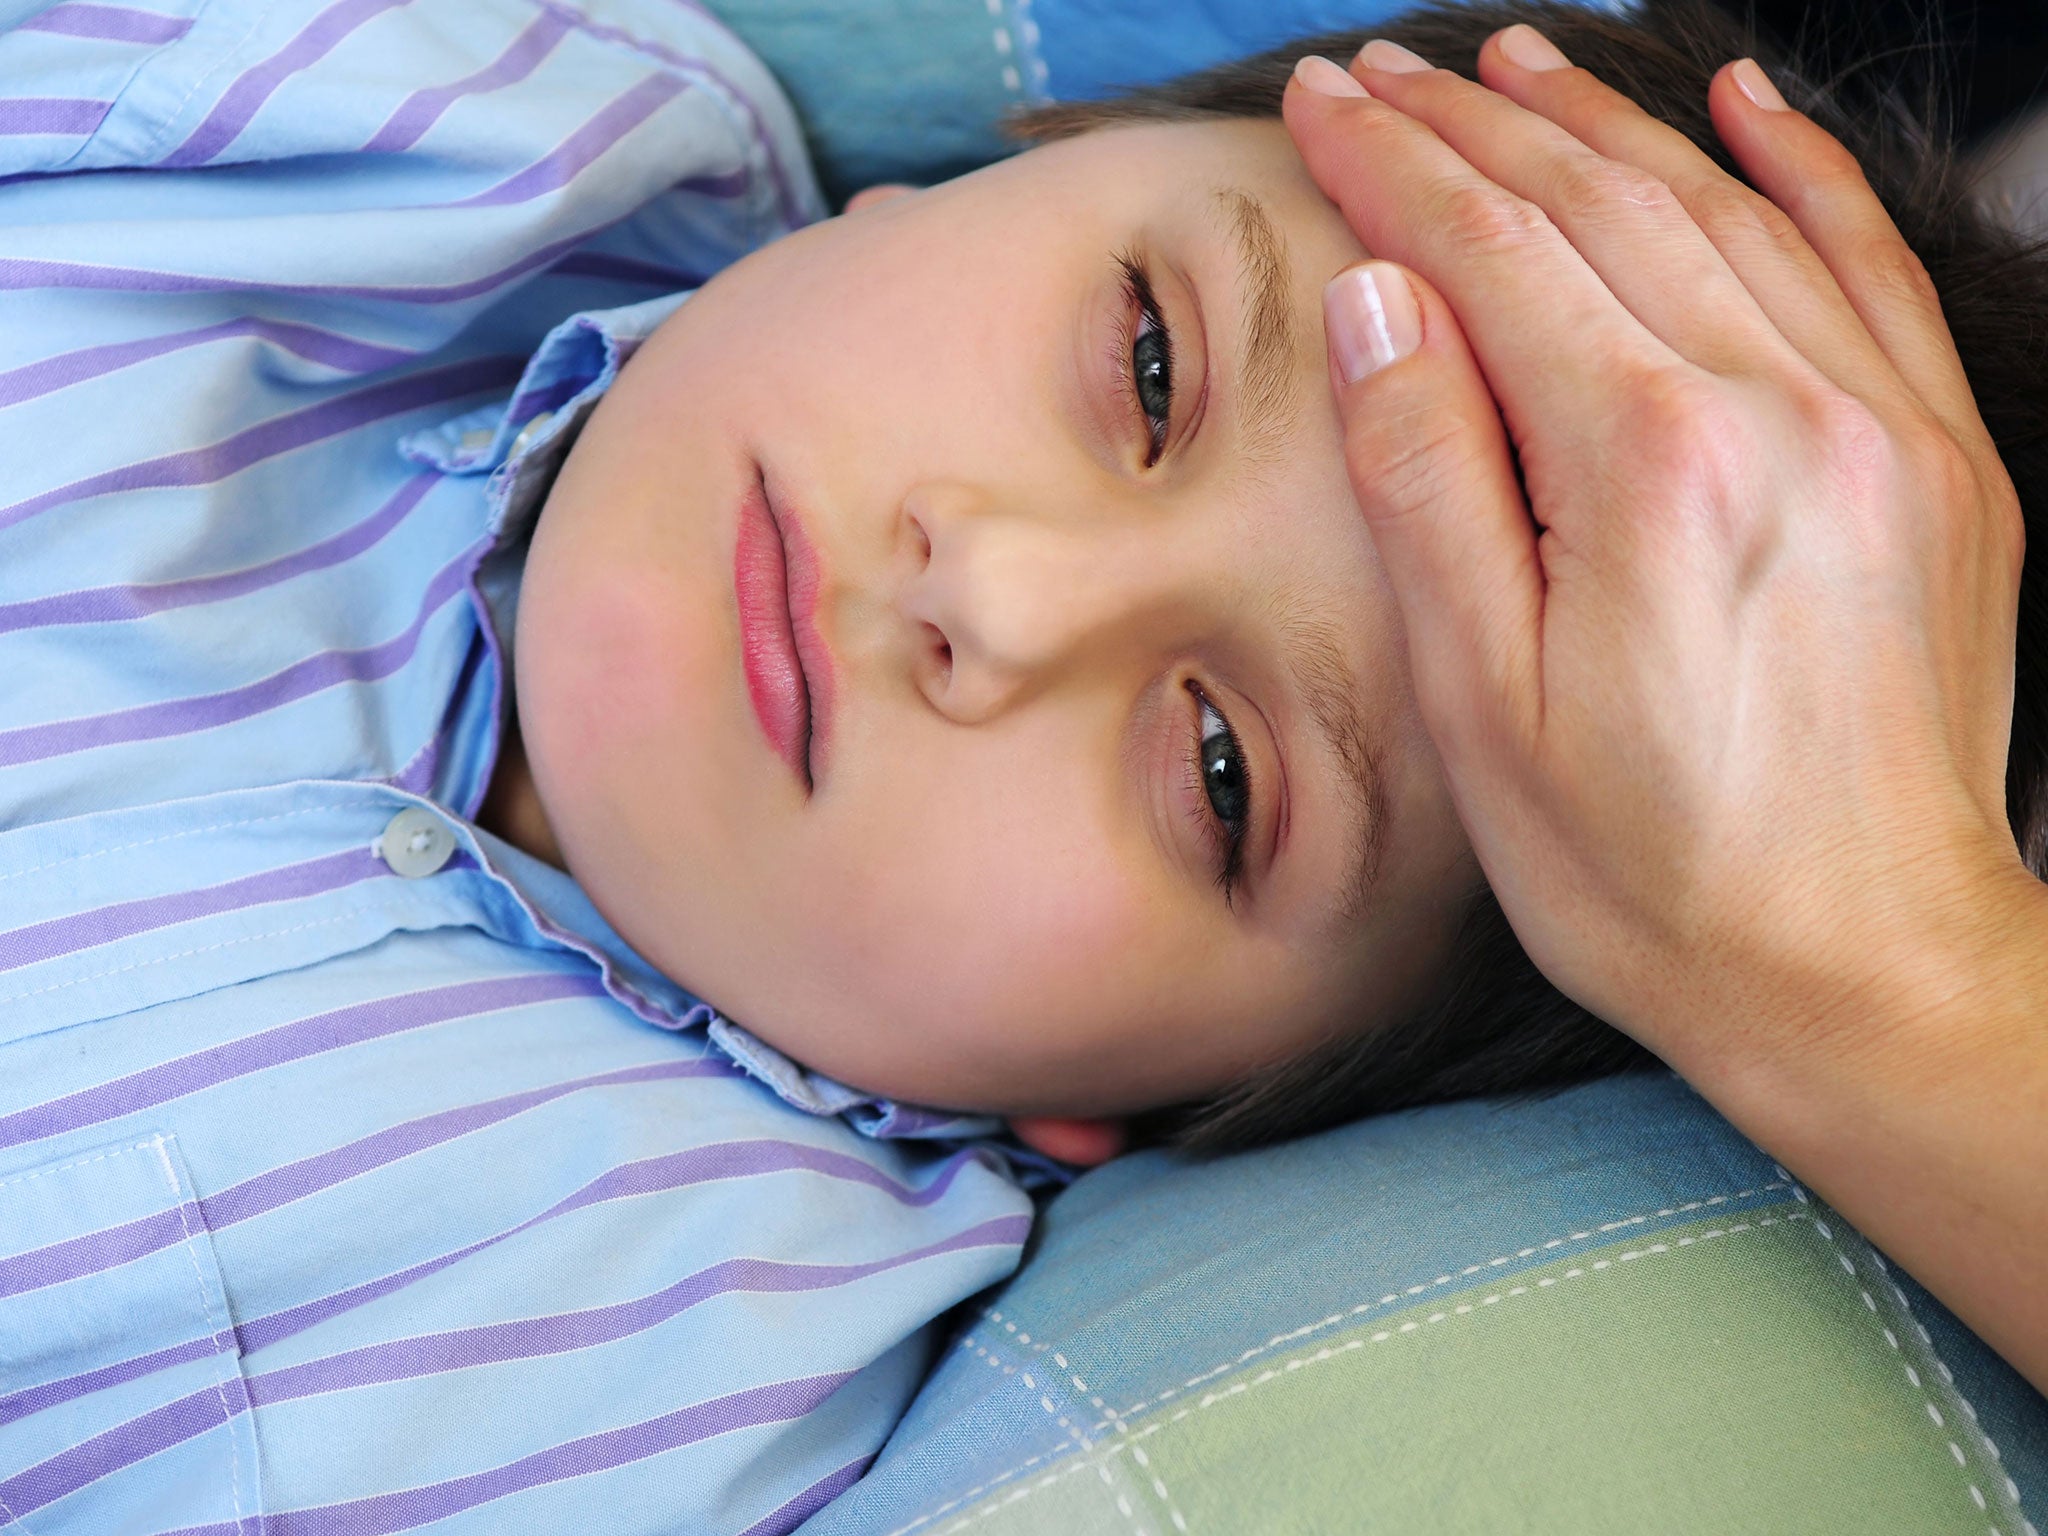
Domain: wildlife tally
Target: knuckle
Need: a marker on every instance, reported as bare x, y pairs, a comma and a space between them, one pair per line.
1848, 429
2012, 530
1855, 449
1676, 415
1893, 273
1970, 495
1832, 160
1721, 206
1470, 213
1593, 190
1407, 457
1684, 435
1860, 467
1946, 471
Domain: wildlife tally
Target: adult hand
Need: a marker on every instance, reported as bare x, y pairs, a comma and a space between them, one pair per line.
1724, 698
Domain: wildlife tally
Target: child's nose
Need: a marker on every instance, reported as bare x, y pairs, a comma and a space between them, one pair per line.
1007, 603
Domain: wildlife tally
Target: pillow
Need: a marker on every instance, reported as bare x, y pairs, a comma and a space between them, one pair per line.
1604, 1311
910, 90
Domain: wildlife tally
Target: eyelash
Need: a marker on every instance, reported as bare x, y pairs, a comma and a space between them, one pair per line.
1226, 843
1141, 305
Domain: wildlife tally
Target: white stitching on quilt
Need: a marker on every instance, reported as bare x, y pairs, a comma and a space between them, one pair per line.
1012, 81
1027, 33
1415, 1290
1328, 1352
1022, 1338
1030, 1383
1913, 1376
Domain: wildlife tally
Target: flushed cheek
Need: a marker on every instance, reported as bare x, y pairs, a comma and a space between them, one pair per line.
997, 958
611, 683
597, 661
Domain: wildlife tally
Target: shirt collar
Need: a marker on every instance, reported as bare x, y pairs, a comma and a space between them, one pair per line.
555, 907
521, 442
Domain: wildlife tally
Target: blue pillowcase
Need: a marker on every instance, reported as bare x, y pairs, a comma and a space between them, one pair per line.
911, 90
1096, 48
1601, 1311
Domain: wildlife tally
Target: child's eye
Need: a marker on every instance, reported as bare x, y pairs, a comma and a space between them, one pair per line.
1145, 357
1223, 776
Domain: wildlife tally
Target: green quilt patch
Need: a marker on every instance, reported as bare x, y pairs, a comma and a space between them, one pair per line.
1748, 1374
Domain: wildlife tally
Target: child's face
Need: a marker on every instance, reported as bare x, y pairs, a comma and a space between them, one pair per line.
1002, 890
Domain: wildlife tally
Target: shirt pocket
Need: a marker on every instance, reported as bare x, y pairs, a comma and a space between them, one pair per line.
122, 1404
64, 69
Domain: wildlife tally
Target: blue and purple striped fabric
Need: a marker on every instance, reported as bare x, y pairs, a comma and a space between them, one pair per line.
337, 1193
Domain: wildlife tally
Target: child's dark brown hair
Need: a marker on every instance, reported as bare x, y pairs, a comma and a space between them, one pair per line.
1495, 1024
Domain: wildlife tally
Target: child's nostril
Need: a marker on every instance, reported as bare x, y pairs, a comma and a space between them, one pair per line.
943, 649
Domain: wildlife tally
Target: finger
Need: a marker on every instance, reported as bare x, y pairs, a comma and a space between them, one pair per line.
1430, 465
1623, 221
1546, 330
1806, 171
1758, 242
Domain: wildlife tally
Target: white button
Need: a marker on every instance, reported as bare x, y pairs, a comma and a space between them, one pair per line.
415, 843
529, 432
475, 440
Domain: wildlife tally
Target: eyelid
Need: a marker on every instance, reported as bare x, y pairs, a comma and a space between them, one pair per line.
1192, 328
1272, 802
1185, 750
1138, 303
1179, 300
1266, 769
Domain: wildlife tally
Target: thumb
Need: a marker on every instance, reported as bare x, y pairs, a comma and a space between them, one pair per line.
1432, 471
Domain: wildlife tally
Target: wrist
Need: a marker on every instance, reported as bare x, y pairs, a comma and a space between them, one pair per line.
1899, 1004
1913, 1098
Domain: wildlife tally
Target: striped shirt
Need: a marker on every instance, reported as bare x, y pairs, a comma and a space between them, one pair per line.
355, 1177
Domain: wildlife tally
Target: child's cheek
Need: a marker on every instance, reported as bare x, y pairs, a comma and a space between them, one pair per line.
602, 676
1005, 944
611, 671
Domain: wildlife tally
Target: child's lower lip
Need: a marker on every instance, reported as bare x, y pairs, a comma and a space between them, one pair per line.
775, 677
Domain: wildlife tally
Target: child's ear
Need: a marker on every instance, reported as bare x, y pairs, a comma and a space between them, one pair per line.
881, 192
1086, 1142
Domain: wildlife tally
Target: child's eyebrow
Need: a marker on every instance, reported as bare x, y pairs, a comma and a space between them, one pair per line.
1315, 658
1314, 651
1265, 349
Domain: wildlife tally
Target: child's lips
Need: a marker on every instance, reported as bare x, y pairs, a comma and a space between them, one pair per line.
788, 671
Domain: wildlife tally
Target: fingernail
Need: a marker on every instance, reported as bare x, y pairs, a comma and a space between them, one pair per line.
1326, 77
1531, 49
1391, 57
1370, 314
1756, 85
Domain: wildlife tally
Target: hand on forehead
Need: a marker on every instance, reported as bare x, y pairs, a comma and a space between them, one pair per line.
1710, 570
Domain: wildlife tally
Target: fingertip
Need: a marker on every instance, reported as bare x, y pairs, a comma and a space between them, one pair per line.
1372, 317
1326, 77
1756, 86
1390, 58
1526, 48
1774, 146
1314, 106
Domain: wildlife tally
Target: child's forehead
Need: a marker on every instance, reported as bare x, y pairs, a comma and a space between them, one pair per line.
1200, 139
1203, 168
